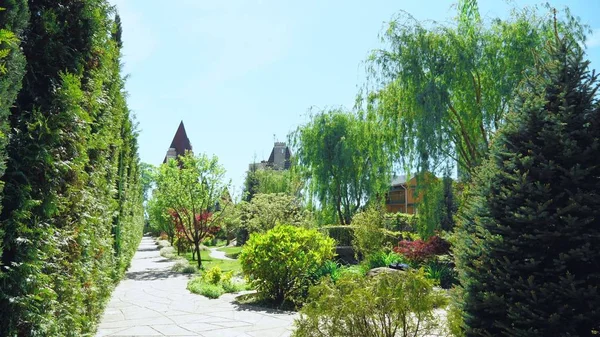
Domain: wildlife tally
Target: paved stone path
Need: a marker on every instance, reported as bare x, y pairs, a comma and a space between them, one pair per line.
152, 301
217, 254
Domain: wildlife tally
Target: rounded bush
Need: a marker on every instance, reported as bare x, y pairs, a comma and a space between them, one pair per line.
280, 262
388, 304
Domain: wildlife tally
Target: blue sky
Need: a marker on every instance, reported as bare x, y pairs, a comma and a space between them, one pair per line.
243, 73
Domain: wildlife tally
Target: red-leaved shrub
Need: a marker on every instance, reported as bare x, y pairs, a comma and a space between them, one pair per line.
420, 251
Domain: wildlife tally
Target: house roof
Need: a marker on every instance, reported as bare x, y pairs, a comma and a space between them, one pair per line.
181, 142
288, 155
398, 180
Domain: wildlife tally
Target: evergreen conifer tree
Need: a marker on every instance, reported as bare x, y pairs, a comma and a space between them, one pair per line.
13, 20
72, 160
527, 250
448, 204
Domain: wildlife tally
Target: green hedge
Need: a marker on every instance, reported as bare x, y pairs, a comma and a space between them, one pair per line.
401, 222
71, 212
342, 235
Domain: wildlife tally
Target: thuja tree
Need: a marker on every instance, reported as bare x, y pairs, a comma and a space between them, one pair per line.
442, 91
342, 157
13, 19
527, 241
191, 188
72, 164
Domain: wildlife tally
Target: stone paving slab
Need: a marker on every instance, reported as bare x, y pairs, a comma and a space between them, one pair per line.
153, 301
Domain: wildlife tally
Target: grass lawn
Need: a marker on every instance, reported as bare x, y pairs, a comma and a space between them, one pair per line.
209, 262
231, 252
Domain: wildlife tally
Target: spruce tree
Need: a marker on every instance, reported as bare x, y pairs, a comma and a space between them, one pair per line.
527, 250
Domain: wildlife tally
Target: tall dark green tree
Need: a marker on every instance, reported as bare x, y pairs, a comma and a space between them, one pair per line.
527, 240
13, 20
72, 159
448, 204
251, 184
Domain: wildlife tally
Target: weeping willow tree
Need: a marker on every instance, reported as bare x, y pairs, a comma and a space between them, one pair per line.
342, 158
442, 91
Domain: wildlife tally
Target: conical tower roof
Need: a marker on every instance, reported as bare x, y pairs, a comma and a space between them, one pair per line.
181, 142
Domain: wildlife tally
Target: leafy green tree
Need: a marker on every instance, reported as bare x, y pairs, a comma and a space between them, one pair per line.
526, 242
442, 91
148, 173
268, 181
278, 181
159, 218
265, 211
191, 187
344, 161
231, 221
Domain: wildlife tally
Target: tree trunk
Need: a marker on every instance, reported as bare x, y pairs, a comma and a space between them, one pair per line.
197, 245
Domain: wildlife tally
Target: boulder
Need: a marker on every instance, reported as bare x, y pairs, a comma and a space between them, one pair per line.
381, 270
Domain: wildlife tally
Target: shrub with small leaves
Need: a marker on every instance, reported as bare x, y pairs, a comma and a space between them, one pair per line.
280, 262
199, 286
381, 259
213, 283
183, 266
329, 269
419, 251
386, 305
167, 252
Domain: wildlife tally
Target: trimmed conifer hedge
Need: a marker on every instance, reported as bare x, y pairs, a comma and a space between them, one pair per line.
71, 212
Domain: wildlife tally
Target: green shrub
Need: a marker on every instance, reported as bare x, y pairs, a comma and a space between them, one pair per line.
216, 276
341, 234
199, 286
359, 270
368, 235
382, 259
329, 268
167, 252
400, 222
183, 266
442, 273
214, 283
232, 286
163, 243
386, 305
183, 245
279, 263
